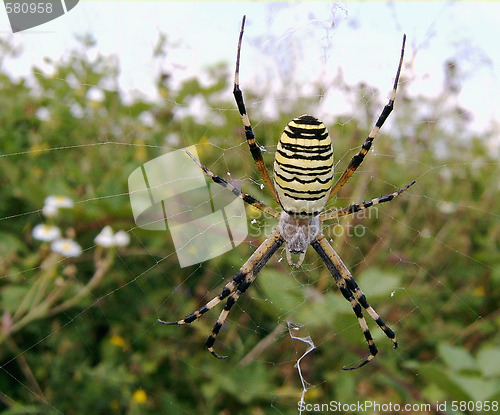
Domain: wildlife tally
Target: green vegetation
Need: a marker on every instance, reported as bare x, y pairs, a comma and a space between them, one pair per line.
79, 335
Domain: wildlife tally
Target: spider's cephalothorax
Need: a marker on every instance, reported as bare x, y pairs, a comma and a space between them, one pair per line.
303, 184
298, 233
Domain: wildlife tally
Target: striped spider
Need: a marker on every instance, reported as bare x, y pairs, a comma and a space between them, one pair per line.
302, 186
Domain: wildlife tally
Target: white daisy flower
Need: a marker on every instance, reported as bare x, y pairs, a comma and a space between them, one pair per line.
43, 114
448, 207
46, 233
50, 211
105, 238
122, 238
147, 118
95, 94
59, 201
66, 247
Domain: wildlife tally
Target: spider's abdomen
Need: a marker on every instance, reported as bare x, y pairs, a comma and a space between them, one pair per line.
303, 166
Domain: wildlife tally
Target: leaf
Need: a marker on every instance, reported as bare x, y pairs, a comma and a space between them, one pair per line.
253, 379
23, 410
478, 389
445, 381
457, 358
487, 360
322, 311
376, 282
283, 293
12, 297
10, 244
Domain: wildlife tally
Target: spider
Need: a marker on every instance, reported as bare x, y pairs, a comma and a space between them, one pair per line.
303, 184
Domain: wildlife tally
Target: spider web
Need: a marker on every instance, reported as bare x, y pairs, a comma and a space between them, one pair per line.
426, 260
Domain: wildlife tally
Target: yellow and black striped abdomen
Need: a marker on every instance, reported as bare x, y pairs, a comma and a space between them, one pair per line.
303, 166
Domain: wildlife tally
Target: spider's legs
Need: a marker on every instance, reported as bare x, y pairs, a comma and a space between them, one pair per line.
254, 148
237, 192
333, 214
237, 286
353, 294
358, 158
233, 297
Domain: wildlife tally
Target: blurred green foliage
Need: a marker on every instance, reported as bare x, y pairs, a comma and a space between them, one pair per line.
429, 262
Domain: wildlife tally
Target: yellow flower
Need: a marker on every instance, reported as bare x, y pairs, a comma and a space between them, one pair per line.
118, 341
115, 406
479, 291
140, 396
